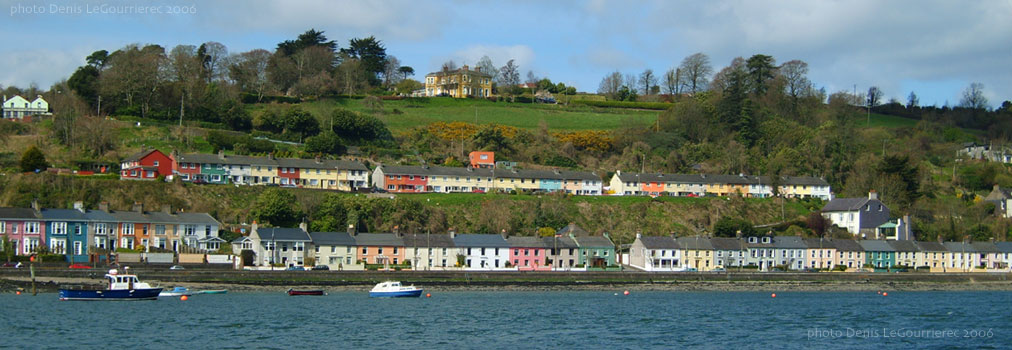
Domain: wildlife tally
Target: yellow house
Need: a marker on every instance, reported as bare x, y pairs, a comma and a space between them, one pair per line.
462, 82
697, 252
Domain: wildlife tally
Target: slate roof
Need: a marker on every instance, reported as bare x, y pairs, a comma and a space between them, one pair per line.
283, 234
815, 243
563, 242
789, 242
594, 242
128, 216
904, 246
931, 247
659, 242
378, 239
204, 158
196, 218
431, 240
847, 245
480, 240
727, 243
845, 204
695, 242
573, 229
525, 242
985, 247
958, 247
759, 243
139, 155
874, 245
999, 193
99, 216
18, 213
1004, 247
63, 214
332, 239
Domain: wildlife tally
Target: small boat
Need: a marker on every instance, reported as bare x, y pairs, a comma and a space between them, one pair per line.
392, 289
294, 292
120, 287
176, 292
213, 291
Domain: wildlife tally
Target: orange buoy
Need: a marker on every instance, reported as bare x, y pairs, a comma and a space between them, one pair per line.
774, 295
184, 298
18, 292
885, 294
428, 295
625, 293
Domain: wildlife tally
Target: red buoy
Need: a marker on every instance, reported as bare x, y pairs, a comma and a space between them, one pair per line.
428, 295
885, 294
626, 292
184, 298
18, 292
774, 295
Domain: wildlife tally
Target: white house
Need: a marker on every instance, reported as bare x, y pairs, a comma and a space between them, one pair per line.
18, 107
857, 215
483, 251
285, 246
656, 253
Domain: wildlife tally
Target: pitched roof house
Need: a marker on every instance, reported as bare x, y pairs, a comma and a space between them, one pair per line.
859, 216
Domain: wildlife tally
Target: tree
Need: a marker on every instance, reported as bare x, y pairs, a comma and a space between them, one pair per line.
817, 223
491, 138
213, 58
796, 83
98, 59
371, 53
249, 72
761, 70
310, 38
732, 227
84, 83
133, 77
509, 75
276, 207
648, 81
301, 122
405, 72
532, 80
874, 97
610, 84
408, 86
391, 72
325, 142
672, 81
486, 66
33, 160
448, 66
696, 72
912, 100
973, 97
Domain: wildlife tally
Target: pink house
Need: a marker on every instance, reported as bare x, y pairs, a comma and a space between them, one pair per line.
24, 228
528, 254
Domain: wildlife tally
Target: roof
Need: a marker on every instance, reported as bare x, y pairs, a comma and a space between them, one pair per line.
480, 240
98, 215
816, 243
196, 218
789, 242
594, 242
332, 238
659, 242
378, 239
128, 216
904, 246
428, 240
63, 214
561, 242
458, 71
874, 245
573, 229
432, 170
18, 213
525, 242
999, 193
847, 245
241, 238
845, 204
695, 242
958, 247
282, 234
140, 155
1004, 247
727, 243
985, 247
931, 247
204, 158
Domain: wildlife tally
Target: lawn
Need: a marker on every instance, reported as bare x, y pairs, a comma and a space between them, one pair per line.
400, 115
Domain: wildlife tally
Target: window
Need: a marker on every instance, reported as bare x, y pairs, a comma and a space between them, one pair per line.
395, 250
31, 228
60, 228
58, 246
77, 229
3, 227
128, 229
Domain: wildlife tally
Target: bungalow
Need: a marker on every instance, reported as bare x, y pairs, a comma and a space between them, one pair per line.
146, 165
697, 252
932, 255
859, 216
483, 251
728, 252
528, 253
849, 253
431, 251
656, 253
821, 252
336, 250
878, 254
279, 246
563, 252
24, 228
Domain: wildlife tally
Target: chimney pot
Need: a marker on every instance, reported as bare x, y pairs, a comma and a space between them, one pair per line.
103, 206
79, 205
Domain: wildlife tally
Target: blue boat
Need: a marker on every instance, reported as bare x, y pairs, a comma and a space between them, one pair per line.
120, 287
392, 289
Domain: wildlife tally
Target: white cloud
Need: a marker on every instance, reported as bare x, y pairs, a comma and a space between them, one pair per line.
610, 59
522, 56
42, 67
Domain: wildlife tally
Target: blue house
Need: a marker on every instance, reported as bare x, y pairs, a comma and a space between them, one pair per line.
68, 232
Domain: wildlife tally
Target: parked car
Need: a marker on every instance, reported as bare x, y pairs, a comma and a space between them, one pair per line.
321, 268
719, 269
691, 269
296, 268
12, 264
79, 266
200, 181
177, 267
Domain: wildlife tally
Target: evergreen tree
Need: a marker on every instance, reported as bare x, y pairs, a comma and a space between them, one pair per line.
33, 160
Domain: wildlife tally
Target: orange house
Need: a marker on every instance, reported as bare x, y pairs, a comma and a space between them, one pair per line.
379, 248
653, 188
481, 159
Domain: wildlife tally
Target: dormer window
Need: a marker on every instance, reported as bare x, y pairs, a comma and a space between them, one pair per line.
752, 240
766, 240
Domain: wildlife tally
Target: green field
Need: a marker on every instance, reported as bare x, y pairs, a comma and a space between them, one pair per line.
406, 114
887, 121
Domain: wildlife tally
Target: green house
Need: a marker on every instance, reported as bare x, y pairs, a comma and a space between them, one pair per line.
594, 252
879, 254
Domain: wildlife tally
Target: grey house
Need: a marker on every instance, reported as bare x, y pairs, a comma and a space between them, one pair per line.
278, 245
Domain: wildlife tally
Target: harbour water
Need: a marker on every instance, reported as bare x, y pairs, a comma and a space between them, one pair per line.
554, 320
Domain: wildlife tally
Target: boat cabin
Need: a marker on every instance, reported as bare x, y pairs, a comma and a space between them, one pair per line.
117, 281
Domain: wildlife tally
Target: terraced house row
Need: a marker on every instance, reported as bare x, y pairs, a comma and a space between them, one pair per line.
660, 184
82, 234
245, 170
666, 253
571, 249
438, 179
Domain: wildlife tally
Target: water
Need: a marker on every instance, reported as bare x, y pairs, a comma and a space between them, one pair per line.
555, 320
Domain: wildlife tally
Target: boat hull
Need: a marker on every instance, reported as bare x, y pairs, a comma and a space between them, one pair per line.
216, 291
398, 294
305, 292
110, 295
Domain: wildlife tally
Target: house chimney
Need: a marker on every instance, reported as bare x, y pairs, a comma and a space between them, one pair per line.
79, 205
318, 159
397, 230
221, 154
166, 208
35, 204
872, 194
253, 228
351, 230
303, 226
465, 67
453, 233
504, 234
639, 234
103, 206
138, 207
996, 188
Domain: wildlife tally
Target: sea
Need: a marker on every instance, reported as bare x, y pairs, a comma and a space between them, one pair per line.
605, 319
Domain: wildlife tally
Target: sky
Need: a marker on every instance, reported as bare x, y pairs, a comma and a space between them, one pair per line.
932, 48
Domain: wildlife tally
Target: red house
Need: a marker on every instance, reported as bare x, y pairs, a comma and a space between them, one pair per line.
146, 165
407, 183
481, 159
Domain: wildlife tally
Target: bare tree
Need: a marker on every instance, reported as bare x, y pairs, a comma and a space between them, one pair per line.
449, 65
912, 100
973, 97
509, 76
249, 71
796, 83
648, 80
391, 76
632, 83
213, 59
696, 71
486, 66
672, 81
610, 84
874, 96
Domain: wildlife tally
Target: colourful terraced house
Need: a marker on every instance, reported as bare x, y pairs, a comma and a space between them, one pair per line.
418, 179
594, 252
146, 165
379, 248
24, 229
659, 184
68, 232
879, 254
528, 253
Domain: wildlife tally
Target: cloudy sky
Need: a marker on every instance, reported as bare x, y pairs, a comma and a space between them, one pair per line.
933, 48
